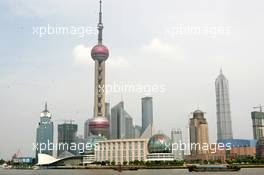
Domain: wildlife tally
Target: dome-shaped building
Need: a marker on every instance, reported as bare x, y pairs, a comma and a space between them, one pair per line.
160, 148
159, 143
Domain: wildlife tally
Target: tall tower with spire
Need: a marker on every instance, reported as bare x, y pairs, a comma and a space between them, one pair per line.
44, 132
99, 124
224, 123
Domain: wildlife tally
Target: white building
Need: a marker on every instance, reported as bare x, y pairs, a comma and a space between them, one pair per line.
160, 157
176, 140
121, 150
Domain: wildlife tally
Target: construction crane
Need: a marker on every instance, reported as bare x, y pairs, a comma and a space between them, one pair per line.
260, 107
16, 155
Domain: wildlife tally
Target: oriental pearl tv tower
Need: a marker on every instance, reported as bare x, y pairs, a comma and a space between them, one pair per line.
99, 125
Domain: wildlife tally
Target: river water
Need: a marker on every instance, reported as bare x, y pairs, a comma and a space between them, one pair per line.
250, 171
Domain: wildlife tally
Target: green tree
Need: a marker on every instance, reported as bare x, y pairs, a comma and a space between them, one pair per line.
2, 161
113, 163
136, 162
141, 162
147, 163
107, 162
125, 163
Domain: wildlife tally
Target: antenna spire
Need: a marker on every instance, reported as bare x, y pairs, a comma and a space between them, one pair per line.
46, 106
100, 25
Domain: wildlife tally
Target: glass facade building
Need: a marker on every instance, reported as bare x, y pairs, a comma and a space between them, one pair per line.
176, 139
258, 124
121, 123
147, 113
67, 133
224, 123
45, 132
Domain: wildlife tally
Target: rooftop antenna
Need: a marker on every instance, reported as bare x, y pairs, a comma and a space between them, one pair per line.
122, 99
100, 26
46, 106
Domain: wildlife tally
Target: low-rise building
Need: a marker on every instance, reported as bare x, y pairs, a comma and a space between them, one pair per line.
121, 150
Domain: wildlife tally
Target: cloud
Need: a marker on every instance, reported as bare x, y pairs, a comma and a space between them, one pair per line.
81, 54
118, 62
31, 8
160, 49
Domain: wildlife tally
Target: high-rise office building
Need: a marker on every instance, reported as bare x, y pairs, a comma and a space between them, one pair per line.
67, 134
147, 115
176, 140
116, 121
108, 115
260, 148
79, 140
129, 127
99, 125
107, 111
137, 131
87, 131
45, 132
258, 124
224, 123
198, 133
121, 123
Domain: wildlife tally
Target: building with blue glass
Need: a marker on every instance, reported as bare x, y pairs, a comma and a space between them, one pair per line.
239, 142
44, 137
147, 114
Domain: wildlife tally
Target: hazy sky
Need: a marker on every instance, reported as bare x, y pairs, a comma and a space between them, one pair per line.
145, 48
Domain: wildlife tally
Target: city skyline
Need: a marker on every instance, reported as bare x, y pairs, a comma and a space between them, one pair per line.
40, 72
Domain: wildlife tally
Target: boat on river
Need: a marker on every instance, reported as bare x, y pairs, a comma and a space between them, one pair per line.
213, 168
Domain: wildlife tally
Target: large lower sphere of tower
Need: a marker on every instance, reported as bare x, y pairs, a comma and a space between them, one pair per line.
99, 126
100, 53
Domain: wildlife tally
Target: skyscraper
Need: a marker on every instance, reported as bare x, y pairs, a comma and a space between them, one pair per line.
45, 132
116, 121
67, 134
137, 131
176, 140
87, 131
147, 115
129, 127
198, 133
99, 125
108, 115
260, 148
121, 123
107, 111
224, 123
258, 123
